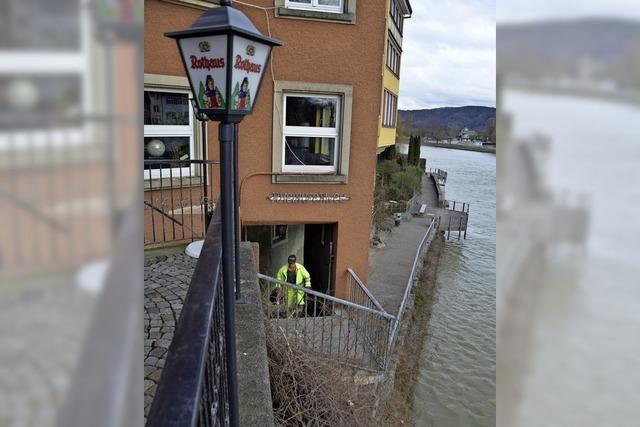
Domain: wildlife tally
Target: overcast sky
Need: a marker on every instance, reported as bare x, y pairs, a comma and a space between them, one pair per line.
448, 57
527, 10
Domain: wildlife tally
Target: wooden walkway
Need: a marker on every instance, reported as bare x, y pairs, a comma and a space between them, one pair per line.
450, 218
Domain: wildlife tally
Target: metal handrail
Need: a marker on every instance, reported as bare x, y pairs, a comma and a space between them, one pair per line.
407, 291
194, 385
327, 327
327, 297
362, 286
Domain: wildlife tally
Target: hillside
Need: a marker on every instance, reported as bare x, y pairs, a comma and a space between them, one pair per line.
448, 120
603, 48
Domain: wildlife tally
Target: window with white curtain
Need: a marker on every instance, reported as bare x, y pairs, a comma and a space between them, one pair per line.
311, 128
335, 6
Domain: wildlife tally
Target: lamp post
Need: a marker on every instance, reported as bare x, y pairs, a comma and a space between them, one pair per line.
224, 56
203, 119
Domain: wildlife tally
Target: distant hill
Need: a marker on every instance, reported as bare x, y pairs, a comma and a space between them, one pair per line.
449, 120
601, 47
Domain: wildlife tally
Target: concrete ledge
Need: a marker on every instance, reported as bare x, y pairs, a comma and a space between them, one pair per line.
341, 18
254, 388
310, 179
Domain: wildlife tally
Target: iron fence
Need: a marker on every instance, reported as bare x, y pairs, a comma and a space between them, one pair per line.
457, 206
358, 293
331, 328
61, 192
193, 387
433, 227
177, 200
440, 174
355, 331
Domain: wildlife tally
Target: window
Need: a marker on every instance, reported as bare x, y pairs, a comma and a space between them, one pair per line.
43, 73
390, 109
279, 234
396, 15
310, 134
311, 131
393, 55
333, 6
168, 130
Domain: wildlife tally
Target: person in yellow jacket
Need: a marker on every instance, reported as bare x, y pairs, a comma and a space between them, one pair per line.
294, 273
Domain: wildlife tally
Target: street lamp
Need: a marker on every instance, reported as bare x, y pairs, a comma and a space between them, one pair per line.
225, 56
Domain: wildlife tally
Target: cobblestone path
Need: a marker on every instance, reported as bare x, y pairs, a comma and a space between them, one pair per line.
43, 321
166, 280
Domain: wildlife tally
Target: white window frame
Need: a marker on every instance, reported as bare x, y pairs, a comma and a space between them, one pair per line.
393, 55
390, 109
292, 4
311, 132
175, 131
43, 63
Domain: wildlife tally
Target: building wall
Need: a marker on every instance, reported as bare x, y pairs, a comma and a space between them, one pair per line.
272, 257
313, 51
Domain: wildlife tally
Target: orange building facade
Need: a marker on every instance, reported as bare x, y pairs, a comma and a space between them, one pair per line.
307, 154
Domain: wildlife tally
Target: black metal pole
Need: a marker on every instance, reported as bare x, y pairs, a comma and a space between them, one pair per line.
227, 205
205, 171
236, 219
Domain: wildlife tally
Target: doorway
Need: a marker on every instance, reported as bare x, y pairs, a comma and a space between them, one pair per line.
319, 255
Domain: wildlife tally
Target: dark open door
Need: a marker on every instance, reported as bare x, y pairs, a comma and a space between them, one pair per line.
319, 250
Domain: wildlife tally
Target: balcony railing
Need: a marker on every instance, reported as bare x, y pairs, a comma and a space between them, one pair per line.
177, 200
331, 328
193, 389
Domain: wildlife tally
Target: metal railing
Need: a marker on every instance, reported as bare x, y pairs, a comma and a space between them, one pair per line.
401, 207
433, 226
358, 293
61, 192
177, 200
331, 328
439, 174
193, 388
457, 206
355, 331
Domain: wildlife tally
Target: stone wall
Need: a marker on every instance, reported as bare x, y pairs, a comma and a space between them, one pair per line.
253, 366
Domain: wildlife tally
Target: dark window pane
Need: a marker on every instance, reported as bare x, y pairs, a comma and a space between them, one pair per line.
40, 24
311, 111
329, 2
304, 151
167, 148
41, 94
164, 108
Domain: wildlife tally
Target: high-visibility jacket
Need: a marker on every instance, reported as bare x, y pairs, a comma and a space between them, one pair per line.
295, 297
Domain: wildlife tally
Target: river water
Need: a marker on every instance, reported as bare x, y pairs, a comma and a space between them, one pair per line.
456, 383
581, 333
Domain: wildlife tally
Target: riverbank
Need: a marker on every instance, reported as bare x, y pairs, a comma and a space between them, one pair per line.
398, 407
483, 149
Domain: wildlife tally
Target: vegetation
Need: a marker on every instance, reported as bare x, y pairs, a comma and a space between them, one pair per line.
398, 179
445, 123
309, 391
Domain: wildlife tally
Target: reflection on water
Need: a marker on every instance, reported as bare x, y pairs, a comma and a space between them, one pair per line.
568, 345
456, 384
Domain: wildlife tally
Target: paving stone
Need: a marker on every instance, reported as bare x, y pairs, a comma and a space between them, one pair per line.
167, 280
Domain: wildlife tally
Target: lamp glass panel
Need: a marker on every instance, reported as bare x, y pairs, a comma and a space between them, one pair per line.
248, 61
206, 63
